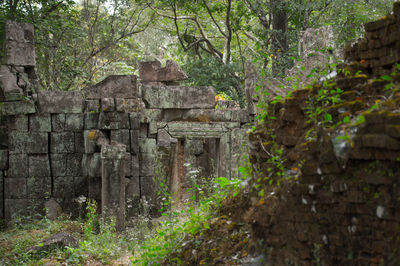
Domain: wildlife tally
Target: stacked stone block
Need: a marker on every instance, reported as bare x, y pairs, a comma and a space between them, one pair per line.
111, 108
379, 51
340, 202
52, 142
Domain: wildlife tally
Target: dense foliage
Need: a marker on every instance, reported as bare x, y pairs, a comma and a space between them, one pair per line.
81, 42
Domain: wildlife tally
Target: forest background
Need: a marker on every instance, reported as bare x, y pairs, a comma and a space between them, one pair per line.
81, 42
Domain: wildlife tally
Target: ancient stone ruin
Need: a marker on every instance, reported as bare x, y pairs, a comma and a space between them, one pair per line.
341, 204
113, 142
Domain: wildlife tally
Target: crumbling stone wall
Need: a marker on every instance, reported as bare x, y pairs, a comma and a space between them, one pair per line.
340, 203
51, 141
378, 52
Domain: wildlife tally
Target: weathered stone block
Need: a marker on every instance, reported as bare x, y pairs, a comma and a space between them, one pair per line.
174, 114
3, 159
153, 128
380, 141
79, 143
113, 183
9, 90
128, 164
58, 164
126, 105
74, 122
37, 142
135, 166
153, 72
40, 122
164, 139
15, 188
15, 207
134, 119
89, 137
144, 129
179, 97
18, 165
18, 108
28, 142
92, 106
18, 123
147, 146
39, 187
186, 129
241, 116
94, 165
58, 122
121, 136
148, 115
148, 70
63, 187
117, 86
208, 115
74, 164
107, 105
114, 121
132, 195
147, 187
39, 166
147, 164
85, 163
62, 142
60, 102
19, 44
95, 188
92, 120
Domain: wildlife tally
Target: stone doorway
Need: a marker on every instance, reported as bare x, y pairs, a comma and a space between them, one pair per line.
196, 161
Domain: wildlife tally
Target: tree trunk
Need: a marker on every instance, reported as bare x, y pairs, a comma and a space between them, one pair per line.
279, 35
228, 38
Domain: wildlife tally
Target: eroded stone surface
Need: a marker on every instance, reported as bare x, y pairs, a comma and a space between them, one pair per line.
19, 44
153, 72
178, 97
117, 86
9, 90
60, 102
40, 122
54, 138
18, 108
3, 160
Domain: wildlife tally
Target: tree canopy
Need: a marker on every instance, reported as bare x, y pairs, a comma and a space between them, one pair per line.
80, 42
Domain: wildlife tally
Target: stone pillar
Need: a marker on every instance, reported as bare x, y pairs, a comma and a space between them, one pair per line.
113, 183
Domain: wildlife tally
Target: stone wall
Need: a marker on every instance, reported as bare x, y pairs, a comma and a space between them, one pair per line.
339, 204
378, 52
51, 141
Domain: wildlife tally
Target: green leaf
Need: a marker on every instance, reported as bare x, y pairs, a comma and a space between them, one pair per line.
346, 119
261, 193
327, 117
386, 78
361, 119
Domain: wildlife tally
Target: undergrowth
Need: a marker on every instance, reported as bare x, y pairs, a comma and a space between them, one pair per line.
146, 241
